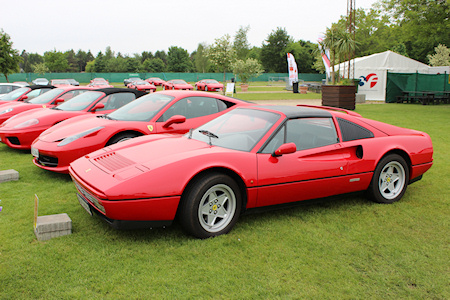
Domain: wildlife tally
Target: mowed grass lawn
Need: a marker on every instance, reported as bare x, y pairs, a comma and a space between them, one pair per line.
343, 248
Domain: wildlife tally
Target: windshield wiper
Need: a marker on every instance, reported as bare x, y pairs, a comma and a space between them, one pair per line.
209, 134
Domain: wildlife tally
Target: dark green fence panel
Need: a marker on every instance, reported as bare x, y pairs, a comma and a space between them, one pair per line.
399, 82
119, 77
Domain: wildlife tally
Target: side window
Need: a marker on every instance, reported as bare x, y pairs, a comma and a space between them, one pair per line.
309, 133
192, 107
116, 101
305, 133
69, 95
33, 93
351, 131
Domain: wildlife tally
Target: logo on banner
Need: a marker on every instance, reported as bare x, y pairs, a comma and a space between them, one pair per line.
370, 79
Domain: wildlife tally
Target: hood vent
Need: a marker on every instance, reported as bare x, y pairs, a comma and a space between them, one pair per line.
112, 161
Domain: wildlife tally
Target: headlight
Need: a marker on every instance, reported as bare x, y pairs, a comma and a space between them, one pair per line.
75, 137
27, 123
6, 111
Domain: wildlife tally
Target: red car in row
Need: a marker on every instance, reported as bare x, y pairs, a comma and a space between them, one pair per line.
22, 129
49, 99
177, 84
173, 112
142, 85
250, 158
25, 93
211, 85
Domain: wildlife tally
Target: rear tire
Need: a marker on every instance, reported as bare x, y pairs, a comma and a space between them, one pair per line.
390, 179
211, 206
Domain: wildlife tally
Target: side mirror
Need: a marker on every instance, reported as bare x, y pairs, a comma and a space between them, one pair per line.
23, 98
285, 149
177, 119
98, 106
59, 100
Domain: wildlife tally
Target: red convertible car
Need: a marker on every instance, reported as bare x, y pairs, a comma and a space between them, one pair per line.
142, 85
177, 84
21, 130
161, 112
209, 85
46, 100
25, 93
246, 159
155, 81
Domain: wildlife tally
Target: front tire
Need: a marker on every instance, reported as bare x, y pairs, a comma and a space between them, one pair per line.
121, 138
211, 206
390, 179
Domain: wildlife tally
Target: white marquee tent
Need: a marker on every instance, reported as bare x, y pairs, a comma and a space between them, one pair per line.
372, 71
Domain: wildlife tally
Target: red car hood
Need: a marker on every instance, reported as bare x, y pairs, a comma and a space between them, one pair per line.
71, 127
157, 156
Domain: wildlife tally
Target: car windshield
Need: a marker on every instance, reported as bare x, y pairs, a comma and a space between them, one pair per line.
240, 129
141, 83
141, 109
179, 81
80, 102
47, 97
14, 94
211, 81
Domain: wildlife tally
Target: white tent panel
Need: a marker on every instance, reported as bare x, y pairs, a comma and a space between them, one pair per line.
372, 71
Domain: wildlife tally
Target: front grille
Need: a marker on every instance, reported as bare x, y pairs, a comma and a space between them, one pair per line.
48, 161
13, 140
112, 161
89, 197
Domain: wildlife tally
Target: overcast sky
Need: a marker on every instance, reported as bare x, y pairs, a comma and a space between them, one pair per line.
133, 26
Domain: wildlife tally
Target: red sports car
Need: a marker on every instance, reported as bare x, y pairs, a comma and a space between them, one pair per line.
160, 112
25, 93
59, 82
177, 84
21, 130
248, 158
155, 81
142, 85
209, 85
46, 100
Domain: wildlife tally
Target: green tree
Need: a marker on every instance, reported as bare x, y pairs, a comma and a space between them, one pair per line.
161, 55
441, 58
273, 51
40, 68
99, 63
420, 24
71, 60
116, 65
222, 54
201, 61
247, 69
241, 44
153, 65
9, 57
178, 60
56, 61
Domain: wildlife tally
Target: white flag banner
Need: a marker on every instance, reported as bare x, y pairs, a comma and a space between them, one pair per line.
292, 67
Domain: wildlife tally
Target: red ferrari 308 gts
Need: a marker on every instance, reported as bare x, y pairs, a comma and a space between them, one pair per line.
177, 84
161, 112
21, 130
248, 158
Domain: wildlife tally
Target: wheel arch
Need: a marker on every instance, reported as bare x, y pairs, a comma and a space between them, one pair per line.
222, 170
400, 152
135, 132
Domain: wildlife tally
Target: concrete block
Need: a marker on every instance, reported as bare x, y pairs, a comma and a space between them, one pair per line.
360, 98
9, 175
51, 226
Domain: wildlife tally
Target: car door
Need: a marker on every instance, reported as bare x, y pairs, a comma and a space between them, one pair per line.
197, 110
317, 169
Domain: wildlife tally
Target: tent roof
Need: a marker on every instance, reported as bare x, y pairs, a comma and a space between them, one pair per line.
387, 60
